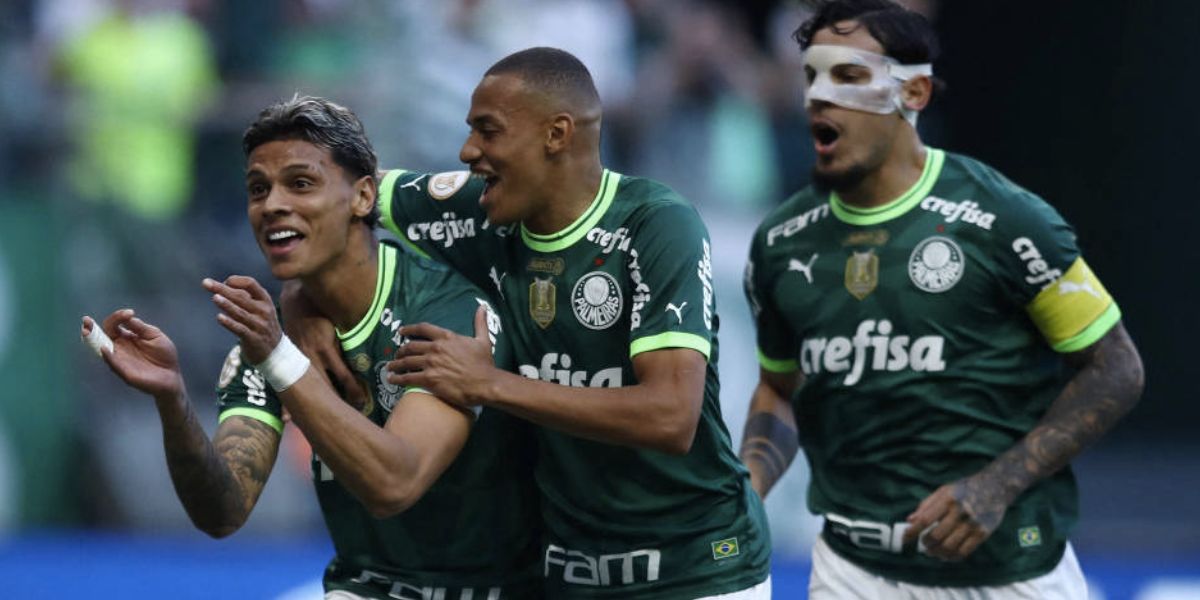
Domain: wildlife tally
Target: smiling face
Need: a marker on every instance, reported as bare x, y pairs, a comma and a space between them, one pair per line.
507, 147
850, 144
302, 206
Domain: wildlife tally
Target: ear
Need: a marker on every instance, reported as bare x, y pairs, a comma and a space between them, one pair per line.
917, 92
560, 133
365, 193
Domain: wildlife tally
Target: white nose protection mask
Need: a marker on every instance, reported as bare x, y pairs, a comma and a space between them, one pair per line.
880, 95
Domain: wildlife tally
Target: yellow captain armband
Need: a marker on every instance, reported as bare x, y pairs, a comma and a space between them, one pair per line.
1074, 311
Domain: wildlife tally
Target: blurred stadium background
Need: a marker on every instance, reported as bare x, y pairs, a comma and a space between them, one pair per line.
120, 185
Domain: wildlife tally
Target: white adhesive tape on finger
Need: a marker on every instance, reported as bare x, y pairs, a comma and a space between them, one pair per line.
284, 366
97, 339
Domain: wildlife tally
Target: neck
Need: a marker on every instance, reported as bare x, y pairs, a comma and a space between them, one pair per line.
573, 187
898, 173
344, 289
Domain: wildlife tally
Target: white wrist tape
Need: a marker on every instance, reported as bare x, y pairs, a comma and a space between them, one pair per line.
97, 339
284, 366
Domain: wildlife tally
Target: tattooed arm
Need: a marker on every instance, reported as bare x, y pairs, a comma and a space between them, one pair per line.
218, 482
1106, 386
769, 441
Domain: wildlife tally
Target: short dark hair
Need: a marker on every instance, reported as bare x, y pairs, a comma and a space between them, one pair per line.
551, 71
905, 35
323, 124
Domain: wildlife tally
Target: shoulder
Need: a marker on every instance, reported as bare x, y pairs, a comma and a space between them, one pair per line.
419, 271
645, 204
1008, 203
794, 215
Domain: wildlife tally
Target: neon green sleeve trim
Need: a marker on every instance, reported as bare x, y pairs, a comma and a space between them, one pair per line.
258, 415
670, 339
385, 201
776, 366
1092, 332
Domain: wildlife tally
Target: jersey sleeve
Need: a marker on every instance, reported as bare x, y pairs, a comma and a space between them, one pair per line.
242, 391
671, 280
777, 344
438, 215
452, 305
1041, 268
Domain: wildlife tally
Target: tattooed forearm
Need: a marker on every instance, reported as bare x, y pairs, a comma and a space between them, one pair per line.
768, 447
1107, 385
218, 482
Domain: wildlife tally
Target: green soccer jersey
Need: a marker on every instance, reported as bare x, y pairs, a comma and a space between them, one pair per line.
927, 332
475, 533
633, 274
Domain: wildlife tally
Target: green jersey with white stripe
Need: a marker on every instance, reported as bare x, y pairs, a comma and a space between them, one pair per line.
928, 332
633, 274
475, 532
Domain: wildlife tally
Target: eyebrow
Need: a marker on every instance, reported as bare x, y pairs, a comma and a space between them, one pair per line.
289, 169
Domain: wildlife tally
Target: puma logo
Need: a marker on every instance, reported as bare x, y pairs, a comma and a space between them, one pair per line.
497, 278
805, 268
1070, 287
414, 184
678, 310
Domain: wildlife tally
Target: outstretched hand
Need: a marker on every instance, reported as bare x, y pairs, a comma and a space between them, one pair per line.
959, 516
248, 312
455, 368
141, 355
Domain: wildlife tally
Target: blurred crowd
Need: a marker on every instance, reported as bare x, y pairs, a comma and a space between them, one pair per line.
121, 120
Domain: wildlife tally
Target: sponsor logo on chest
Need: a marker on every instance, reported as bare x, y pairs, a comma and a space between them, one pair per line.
556, 368
872, 348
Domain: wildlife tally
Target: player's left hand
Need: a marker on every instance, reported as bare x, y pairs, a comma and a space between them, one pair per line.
248, 312
453, 367
959, 516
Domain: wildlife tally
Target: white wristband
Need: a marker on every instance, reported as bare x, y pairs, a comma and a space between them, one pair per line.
97, 339
284, 366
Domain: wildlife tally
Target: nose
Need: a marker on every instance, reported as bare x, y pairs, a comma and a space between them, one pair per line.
277, 201
470, 152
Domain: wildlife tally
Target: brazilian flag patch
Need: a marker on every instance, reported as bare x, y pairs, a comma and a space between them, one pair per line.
726, 548
1029, 537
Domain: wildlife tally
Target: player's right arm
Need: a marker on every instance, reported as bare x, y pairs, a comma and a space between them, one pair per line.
390, 468
770, 440
218, 481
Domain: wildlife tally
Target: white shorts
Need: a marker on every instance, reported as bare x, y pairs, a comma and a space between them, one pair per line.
761, 591
835, 578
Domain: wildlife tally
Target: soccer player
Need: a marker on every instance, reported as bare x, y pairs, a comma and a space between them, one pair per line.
930, 334
312, 190
605, 283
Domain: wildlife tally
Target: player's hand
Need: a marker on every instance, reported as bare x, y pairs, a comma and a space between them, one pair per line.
959, 516
142, 355
453, 367
316, 338
247, 312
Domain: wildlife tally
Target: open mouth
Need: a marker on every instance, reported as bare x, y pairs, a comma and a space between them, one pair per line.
825, 136
489, 183
283, 240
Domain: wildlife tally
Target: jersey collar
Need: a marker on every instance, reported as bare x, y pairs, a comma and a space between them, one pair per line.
853, 215
575, 231
383, 284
